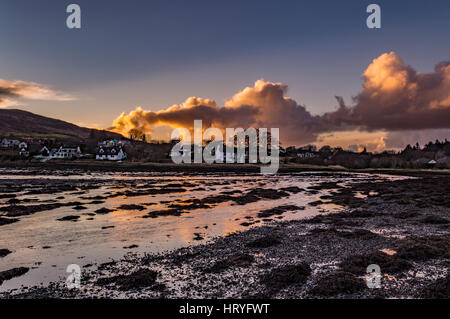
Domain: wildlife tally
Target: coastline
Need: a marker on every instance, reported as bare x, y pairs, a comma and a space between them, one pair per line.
98, 166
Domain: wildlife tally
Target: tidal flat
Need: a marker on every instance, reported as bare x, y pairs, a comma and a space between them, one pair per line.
143, 234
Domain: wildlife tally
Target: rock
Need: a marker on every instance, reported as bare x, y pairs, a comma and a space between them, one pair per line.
285, 276
435, 220
6, 221
69, 218
4, 252
265, 242
79, 207
198, 236
131, 207
424, 248
278, 210
240, 260
141, 278
131, 247
103, 211
439, 289
12, 273
357, 264
338, 283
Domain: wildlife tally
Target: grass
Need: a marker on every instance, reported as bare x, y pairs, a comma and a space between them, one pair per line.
231, 167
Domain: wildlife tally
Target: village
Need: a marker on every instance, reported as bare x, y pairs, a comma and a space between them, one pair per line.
431, 156
110, 150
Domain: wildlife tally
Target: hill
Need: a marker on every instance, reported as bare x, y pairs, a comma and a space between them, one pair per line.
23, 124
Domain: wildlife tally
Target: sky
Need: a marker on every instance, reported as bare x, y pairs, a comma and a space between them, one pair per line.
155, 54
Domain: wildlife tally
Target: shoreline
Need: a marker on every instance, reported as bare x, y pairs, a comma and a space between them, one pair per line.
400, 225
97, 166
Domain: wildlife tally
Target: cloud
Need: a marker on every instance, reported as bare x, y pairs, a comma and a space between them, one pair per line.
7, 102
397, 97
394, 97
355, 140
12, 90
263, 105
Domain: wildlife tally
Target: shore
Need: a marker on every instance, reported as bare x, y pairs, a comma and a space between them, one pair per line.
105, 166
402, 226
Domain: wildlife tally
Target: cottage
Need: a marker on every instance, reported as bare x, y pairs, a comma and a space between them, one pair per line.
221, 156
111, 143
35, 150
431, 164
65, 152
114, 153
183, 152
6, 143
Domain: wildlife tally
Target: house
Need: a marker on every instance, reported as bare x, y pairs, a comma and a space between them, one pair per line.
222, 156
306, 154
6, 143
35, 150
183, 152
431, 164
114, 153
65, 152
111, 143
44, 152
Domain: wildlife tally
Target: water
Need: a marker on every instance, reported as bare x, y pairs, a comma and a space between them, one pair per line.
47, 246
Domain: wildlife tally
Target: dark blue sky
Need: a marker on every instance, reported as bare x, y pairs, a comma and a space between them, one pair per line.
157, 53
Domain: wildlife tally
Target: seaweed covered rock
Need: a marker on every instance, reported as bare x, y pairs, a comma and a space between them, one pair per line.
285, 276
338, 283
357, 264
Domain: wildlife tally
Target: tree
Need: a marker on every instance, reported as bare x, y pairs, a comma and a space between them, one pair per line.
325, 149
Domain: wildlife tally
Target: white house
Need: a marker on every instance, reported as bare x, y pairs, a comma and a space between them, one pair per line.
110, 154
5, 143
185, 151
65, 152
111, 143
230, 157
221, 156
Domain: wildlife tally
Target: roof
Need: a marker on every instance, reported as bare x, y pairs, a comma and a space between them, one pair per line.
114, 150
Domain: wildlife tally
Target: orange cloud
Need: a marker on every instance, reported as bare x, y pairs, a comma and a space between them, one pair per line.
397, 97
9, 90
355, 140
263, 105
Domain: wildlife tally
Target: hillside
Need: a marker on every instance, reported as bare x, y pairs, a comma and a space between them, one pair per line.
23, 124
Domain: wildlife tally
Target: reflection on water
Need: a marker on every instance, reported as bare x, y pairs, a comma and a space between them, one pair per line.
46, 245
